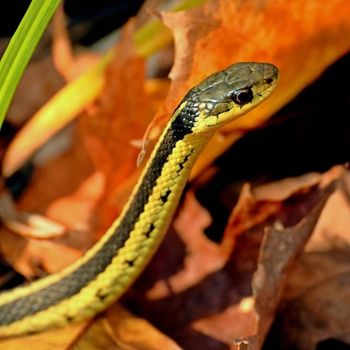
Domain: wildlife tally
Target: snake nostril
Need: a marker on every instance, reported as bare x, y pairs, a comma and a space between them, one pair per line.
269, 81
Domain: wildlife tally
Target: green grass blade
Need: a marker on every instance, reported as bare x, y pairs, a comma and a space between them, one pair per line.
21, 48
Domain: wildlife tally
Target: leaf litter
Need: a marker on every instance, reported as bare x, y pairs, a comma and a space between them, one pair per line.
195, 292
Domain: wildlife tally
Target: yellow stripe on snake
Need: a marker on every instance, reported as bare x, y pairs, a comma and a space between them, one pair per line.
106, 271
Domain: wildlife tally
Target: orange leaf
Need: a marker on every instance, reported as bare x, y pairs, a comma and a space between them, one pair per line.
61, 338
121, 116
300, 38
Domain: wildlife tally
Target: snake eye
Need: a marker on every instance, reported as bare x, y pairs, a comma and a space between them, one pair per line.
242, 96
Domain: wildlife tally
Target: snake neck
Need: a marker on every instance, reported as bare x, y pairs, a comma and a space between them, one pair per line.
165, 174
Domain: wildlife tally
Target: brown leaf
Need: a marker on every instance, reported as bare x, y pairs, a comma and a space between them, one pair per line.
320, 313
131, 332
280, 190
247, 213
316, 294
279, 250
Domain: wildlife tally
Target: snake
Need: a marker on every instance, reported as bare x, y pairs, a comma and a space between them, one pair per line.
100, 276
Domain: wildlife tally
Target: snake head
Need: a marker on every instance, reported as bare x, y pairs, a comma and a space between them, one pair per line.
230, 93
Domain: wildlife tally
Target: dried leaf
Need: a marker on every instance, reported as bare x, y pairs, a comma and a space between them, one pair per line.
234, 322
279, 250
25, 224
119, 119
34, 226
61, 47
224, 32
61, 338
69, 66
32, 92
96, 337
248, 212
34, 258
280, 190
316, 293
131, 332
70, 203
44, 124
320, 313
222, 314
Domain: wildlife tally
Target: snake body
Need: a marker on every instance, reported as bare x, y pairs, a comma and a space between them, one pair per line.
98, 278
